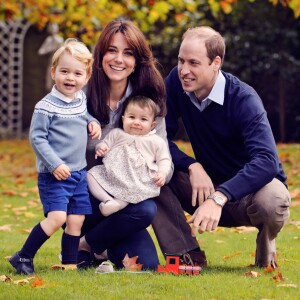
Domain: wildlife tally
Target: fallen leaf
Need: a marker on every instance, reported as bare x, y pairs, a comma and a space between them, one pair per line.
243, 229
34, 189
278, 277
269, 269
295, 203
297, 223
295, 193
232, 255
23, 281
252, 274
4, 278
29, 215
289, 285
7, 206
130, 264
9, 193
38, 282
17, 213
33, 203
64, 267
23, 194
219, 229
25, 230
20, 208
6, 228
20, 180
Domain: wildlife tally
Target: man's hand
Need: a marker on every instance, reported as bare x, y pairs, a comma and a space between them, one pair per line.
207, 215
62, 172
201, 183
94, 130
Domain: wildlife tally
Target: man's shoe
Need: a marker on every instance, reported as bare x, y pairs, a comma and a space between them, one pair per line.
21, 264
195, 258
263, 262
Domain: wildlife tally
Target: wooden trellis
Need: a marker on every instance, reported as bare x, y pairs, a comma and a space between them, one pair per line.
12, 36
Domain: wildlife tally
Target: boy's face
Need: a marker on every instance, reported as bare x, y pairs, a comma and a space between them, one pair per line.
69, 75
138, 120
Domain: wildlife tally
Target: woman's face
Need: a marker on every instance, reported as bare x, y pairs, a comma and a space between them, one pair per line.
118, 61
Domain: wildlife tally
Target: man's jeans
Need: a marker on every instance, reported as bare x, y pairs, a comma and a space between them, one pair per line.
267, 210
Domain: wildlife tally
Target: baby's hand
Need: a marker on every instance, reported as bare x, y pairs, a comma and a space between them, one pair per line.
160, 179
101, 151
62, 172
94, 130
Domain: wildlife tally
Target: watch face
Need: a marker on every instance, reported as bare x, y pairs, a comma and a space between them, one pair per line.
218, 199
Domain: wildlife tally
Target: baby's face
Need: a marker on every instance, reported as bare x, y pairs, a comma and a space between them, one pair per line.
138, 120
69, 75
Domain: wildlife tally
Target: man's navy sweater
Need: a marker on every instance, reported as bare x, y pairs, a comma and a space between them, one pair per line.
233, 142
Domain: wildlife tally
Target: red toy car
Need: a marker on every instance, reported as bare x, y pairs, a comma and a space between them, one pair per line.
173, 266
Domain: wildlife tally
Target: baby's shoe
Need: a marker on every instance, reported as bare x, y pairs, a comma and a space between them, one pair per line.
105, 267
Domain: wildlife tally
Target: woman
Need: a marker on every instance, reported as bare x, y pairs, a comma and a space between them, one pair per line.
123, 67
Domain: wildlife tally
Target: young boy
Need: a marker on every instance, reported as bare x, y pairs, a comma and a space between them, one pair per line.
58, 135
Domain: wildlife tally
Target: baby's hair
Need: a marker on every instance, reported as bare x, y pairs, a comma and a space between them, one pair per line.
143, 101
78, 50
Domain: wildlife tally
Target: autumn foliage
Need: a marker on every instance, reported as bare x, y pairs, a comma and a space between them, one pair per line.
86, 18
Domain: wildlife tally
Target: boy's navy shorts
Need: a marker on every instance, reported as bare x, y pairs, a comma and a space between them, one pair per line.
70, 195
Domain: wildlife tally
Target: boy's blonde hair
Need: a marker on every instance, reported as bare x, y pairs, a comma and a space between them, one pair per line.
78, 50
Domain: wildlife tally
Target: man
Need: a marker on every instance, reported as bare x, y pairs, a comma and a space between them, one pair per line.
236, 178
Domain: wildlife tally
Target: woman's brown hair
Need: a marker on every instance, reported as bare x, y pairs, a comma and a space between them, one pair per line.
146, 80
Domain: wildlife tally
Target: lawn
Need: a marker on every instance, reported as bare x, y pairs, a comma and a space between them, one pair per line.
230, 251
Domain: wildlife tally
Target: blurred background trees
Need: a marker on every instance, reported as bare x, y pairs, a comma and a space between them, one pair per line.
262, 37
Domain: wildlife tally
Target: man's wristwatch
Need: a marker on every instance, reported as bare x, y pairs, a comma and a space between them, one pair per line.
218, 199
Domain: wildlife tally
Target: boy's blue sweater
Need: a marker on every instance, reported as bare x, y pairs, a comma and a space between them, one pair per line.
233, 142
58, 133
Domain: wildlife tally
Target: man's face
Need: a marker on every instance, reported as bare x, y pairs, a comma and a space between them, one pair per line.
196, 72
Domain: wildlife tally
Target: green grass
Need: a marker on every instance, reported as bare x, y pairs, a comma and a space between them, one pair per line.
20, 209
